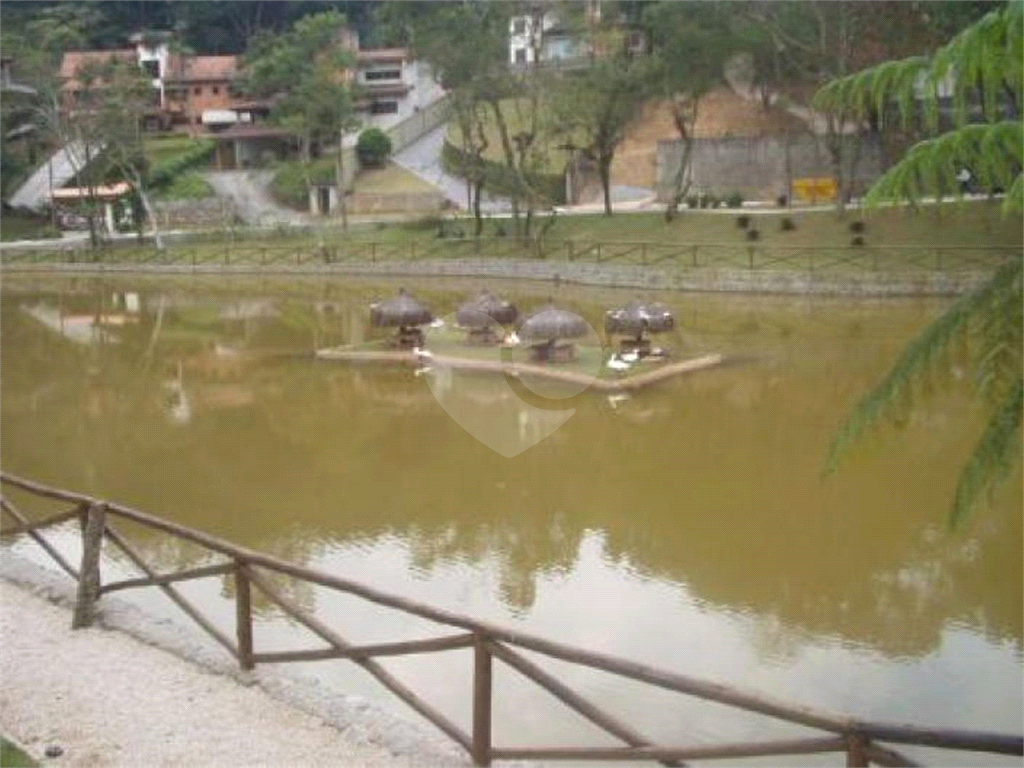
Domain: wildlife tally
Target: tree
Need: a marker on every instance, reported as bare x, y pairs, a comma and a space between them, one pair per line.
125, 97
691, 43
311, 74
983, 65
593, 108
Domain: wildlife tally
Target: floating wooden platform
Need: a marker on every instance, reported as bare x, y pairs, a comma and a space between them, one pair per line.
617, 384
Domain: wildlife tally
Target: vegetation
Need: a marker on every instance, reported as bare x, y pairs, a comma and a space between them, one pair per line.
301, 68
983, 330
12, 757
186, 186
373, 147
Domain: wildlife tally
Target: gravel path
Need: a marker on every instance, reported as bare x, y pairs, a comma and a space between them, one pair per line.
248, 190
107, 698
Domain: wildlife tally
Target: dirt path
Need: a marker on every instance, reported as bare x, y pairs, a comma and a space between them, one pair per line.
106, 698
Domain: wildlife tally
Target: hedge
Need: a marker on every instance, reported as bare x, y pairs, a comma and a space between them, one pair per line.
501, 180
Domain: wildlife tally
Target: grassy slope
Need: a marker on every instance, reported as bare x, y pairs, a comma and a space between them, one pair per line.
390, 179
12, 757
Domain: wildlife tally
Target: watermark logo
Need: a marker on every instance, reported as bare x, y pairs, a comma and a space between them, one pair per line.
472, 381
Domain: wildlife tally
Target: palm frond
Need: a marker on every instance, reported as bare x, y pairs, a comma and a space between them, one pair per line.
920, 357
992, 457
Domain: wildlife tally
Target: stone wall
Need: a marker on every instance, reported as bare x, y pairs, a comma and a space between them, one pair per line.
395, 202
186, 214
756, 166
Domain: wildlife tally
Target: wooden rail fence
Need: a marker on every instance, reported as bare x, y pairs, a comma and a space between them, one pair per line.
864, 742
266, 252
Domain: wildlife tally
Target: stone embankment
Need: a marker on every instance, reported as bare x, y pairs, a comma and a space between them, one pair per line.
769, 281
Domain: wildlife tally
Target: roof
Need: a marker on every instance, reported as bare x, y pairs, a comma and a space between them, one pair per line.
111, 191
210, 68
383, 55
73, 61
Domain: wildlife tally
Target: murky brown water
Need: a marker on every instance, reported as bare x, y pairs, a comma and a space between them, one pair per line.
689, 527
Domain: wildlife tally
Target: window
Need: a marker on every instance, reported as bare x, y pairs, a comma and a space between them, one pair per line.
198, 120
215, 90
384, 74
383, 107
519, 26
197, 91
151, 68
520, 55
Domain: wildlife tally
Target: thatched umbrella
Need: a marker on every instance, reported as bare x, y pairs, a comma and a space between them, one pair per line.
546, 326
403, 312
483, 313
636, 318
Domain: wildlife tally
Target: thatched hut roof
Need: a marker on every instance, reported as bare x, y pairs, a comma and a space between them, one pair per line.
553, 323
636, 317
486, 310
402, 311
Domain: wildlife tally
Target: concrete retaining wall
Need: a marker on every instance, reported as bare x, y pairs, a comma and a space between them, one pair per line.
208, 212
756, 166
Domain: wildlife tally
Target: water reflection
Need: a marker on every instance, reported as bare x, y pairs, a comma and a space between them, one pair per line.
209, 409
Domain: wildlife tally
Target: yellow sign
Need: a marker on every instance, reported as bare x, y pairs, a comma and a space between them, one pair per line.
815, 189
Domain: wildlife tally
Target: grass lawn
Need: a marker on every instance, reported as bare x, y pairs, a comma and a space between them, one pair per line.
12, 757
16, 226
186, 186
517, 119
390, 179
160, 149
895, 240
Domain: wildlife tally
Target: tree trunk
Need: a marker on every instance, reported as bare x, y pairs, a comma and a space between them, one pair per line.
339, 173
478, 186
510, 157
604, 168
681, 182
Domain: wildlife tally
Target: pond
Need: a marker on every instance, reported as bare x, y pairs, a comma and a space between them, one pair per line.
689, 526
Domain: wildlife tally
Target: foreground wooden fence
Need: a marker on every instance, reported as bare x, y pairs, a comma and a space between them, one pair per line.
861, 740
271, 252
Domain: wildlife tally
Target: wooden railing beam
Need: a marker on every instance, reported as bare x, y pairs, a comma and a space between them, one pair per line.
168, 578
570, 698
170, 591
243, 616
46, 522
888, 757
403, 648
39, 539
386, 678
712, 752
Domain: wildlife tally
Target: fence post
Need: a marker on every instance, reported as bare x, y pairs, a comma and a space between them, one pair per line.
243, 616
373, 252
93, 524
481, 701
856, 751
569, 249
693, 255
750, 256
938, 260
643, 254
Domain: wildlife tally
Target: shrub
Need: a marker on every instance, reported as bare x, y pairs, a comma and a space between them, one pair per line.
857, 226
753, 234
734, 200
781, 201
708, 201
743, 221
787, 225
857, 241
373, 147
692, 201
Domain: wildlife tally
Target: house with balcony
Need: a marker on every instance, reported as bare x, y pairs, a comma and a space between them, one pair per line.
542, 37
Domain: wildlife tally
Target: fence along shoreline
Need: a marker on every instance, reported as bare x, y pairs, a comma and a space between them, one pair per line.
857, 738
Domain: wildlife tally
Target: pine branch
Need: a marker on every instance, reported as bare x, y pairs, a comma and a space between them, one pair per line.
992, 150
918, 360
992, 456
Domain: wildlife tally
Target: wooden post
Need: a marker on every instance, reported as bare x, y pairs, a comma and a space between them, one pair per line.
856, 751
750, 256
481, 701
694, 256
243, 616
89, 573
643, 254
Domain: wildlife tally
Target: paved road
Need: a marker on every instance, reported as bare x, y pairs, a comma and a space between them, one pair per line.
423, 157
249, 191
